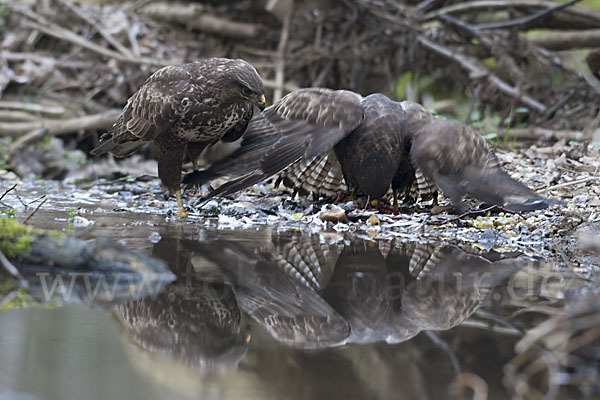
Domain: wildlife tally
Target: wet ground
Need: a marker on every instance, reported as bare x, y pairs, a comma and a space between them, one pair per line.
273, 303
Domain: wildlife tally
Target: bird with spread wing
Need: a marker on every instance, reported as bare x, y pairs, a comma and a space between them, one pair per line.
184, 108
325, 141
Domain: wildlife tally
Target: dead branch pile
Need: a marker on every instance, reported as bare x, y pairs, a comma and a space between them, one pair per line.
78, 63
562, 351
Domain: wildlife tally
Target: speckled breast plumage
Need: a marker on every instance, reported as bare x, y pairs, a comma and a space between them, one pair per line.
202, 128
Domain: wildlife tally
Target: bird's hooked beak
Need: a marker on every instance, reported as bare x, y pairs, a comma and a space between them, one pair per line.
262, 102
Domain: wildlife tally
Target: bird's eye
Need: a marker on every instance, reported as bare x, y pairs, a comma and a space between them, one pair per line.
246, 91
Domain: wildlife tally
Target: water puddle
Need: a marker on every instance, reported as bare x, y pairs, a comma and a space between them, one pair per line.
276, 311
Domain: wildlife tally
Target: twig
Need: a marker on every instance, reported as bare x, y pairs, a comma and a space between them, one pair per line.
528, 19
567, 40
97, 25
475, 6
471, 213
11, 269
132, 37
193, 16
7, 191
280, 55
535, 133
288, 86
479, 71
28, 138
15, 116
33, 107
36, 210
61, 33
591, 80
497, 318
61, 127
567, 184
12, 56
442, 344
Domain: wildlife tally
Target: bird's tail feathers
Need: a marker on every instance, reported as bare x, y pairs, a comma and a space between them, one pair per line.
119, 150
199, 177
236, 185
103, 148
493, 187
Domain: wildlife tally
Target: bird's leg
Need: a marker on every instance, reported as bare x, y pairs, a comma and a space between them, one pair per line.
170, 161
395, 201
180, 208
353, 194
193, 151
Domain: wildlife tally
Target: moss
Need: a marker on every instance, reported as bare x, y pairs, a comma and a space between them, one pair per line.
21, 300
15, 238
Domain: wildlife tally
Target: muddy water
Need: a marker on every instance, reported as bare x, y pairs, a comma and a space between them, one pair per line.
270, 312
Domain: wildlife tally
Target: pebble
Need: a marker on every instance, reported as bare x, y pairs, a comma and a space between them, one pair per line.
334, 214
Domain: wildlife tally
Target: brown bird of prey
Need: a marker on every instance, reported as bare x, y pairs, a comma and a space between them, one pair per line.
322, 140
184, 108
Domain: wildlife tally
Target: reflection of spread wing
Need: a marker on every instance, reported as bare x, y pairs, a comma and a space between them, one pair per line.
292, 312
305, 259
419, 257
303, 125
451, 291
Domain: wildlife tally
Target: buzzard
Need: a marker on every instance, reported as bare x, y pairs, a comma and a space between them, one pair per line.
322, 140
311, 294
184, 108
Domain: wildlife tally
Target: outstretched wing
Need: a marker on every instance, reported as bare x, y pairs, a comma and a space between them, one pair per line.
163, 99
322, 175
460, 162
303, 125
279, 294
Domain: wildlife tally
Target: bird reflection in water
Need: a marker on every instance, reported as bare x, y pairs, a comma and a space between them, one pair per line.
195, 321
306, 292
309, 294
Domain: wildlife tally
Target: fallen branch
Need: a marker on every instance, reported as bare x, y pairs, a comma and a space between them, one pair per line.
528, 19
572, 183
470, 213
280, 55
61, 127
478, 71
33, 107
567, 40
582, 16
49, 28
40, 59
97, 26
535, 133
26, 139
16, 116
287, 86
194, 17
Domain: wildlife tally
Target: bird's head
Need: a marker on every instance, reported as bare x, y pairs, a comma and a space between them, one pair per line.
242, 83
